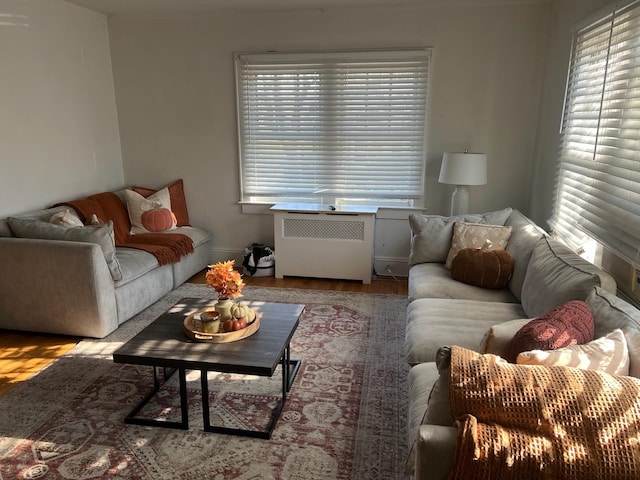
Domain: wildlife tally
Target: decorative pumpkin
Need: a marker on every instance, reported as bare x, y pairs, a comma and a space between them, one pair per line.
240, 310
482, 268
233, 325
157, 219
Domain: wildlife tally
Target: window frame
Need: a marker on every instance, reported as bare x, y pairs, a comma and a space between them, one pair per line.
594, 161
331, 198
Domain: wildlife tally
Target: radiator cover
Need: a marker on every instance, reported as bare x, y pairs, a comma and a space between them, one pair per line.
318, 243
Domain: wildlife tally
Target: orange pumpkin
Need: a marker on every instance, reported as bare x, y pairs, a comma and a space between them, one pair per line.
157, 219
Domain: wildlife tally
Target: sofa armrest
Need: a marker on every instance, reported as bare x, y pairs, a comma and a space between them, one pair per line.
435, 452
55, 286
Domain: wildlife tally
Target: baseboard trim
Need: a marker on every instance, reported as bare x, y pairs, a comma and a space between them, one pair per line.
397, 266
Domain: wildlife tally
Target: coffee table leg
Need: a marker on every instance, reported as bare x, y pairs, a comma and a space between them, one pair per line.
288, 376
131, 418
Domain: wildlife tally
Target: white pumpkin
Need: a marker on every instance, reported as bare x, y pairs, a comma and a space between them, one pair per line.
240, 310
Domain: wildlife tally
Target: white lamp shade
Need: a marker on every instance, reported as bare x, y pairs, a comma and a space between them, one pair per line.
463, 169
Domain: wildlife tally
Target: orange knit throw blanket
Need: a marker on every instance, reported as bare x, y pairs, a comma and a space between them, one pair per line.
166, 247
533, 422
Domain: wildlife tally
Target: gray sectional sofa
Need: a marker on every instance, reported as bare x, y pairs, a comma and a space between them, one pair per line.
77, 282
443, 311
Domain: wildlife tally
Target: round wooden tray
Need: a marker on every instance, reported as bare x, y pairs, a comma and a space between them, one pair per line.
192, 332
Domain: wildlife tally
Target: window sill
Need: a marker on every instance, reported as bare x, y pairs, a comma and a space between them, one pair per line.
391, 213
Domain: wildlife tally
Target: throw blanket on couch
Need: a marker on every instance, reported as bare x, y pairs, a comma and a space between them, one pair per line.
166, 247
535, 422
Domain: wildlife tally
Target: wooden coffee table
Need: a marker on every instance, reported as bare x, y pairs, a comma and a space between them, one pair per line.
164, 345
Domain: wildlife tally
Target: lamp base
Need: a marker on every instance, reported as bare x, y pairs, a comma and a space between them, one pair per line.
460, 200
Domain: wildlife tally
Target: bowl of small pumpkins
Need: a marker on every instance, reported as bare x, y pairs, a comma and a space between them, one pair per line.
244, 322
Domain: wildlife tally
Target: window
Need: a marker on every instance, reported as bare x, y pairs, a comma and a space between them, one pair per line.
598, 182
338, 127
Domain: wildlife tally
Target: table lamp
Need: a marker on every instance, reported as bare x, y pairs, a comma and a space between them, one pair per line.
462, 170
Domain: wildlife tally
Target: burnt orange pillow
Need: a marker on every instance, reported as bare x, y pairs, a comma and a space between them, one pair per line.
178, 202
482, 268
568, 324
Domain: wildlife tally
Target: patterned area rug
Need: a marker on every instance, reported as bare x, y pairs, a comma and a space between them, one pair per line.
344, 418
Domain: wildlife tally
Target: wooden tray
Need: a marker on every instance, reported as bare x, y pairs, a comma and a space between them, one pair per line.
191, 331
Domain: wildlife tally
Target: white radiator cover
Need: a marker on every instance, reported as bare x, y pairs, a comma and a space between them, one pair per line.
314, 241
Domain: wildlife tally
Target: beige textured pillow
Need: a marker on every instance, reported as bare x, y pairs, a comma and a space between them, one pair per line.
607, 354
66, 218
476, 235
498, 338
137, 205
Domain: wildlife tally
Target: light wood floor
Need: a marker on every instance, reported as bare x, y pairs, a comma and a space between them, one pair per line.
22, 355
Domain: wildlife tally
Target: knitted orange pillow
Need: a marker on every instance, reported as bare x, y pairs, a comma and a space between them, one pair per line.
483, 268
568, 324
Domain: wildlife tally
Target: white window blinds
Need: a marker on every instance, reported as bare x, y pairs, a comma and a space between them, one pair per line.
598, 182
341, 125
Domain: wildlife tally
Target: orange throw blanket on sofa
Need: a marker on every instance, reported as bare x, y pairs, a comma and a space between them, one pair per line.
534, 422
166, 247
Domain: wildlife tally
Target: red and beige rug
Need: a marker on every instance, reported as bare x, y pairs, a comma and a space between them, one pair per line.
344, 418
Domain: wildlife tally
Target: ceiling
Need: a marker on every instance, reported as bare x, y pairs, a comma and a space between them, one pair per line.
155, 7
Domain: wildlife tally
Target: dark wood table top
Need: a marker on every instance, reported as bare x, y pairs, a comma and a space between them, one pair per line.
163, 343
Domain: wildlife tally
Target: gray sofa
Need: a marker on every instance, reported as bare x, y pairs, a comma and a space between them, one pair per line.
81, 284
443, 312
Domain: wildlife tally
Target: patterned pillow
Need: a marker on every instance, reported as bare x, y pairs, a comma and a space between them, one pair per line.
607, 354
66, 218
431, 234
568, 324
476, 235
178, 201
140, 209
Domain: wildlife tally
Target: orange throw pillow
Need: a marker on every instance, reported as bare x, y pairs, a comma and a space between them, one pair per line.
482, 268
568, 324
178, 202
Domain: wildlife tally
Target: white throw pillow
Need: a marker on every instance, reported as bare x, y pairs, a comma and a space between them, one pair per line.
66, 219
476, 235
607, 354
137, 205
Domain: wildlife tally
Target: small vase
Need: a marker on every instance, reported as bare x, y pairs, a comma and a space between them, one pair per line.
223, 307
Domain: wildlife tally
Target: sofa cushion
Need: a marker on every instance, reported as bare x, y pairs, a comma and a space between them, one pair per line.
197, 235
439, 409
431, 234
555, 275
434, 280
434, 322
607, 354
611, 312
482, 268
421, 380
134, 264
498, 338
102, 235
568, 324
178, 201
475, 235
525, 234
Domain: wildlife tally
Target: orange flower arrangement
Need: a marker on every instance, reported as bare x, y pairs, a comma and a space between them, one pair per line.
225, 280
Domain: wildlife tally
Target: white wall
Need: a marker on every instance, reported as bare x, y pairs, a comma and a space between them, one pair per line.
564, 15
176, 108
58, 125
